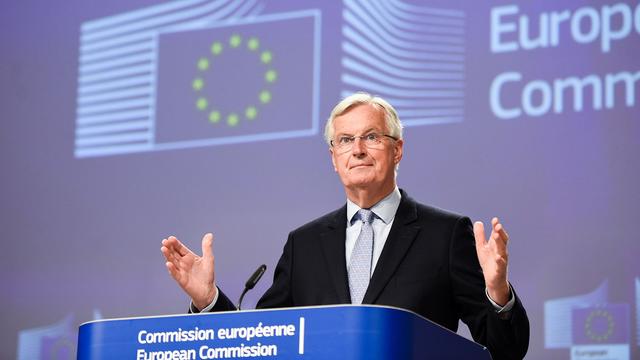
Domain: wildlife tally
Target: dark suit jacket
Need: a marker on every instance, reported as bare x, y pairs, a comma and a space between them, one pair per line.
428, 265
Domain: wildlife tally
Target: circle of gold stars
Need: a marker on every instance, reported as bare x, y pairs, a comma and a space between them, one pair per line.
588, 327
264, 96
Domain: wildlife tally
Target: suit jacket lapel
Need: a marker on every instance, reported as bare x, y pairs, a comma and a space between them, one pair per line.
333, 243
400, 238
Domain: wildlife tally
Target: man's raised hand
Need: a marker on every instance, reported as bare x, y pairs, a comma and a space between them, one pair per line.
493, 258
195, 274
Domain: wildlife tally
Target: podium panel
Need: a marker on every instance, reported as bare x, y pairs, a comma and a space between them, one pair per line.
323, 332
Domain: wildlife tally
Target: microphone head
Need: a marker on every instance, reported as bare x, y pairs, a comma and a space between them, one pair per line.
253, 280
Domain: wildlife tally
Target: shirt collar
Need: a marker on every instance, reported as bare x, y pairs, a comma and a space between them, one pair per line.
385, 209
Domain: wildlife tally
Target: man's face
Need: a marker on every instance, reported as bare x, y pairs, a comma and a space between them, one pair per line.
363, 166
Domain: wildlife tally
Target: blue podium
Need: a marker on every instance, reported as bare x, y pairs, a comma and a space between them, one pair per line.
322, 332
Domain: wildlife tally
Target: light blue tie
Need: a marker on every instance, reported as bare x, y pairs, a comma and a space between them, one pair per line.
361, 258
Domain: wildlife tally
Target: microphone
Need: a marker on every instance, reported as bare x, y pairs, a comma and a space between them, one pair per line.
253, 280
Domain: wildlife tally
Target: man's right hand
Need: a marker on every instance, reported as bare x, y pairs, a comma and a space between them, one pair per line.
194, 274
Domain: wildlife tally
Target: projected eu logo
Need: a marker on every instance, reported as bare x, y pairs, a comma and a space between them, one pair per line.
604, 324
558, 315
173, 76
55, 341
237, 82
601, 332
589, 326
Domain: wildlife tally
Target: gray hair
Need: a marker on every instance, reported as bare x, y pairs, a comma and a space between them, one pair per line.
394, 126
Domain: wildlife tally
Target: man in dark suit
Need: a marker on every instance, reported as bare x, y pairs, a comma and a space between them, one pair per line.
382, 247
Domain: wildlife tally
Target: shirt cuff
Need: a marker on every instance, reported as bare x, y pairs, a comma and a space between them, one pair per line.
507, 307
208, 308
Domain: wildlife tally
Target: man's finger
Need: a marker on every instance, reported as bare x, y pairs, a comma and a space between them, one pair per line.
503, 233
170, 256
499, 239
165, 252
174, 243
498, 245
169, 250
207, 246
173, 271
478, 232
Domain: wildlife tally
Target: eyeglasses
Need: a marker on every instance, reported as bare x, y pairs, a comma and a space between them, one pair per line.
371, 140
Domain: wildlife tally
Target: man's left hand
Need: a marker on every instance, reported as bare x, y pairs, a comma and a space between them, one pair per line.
493, 257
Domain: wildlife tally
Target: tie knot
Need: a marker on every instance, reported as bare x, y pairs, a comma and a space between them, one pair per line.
365, 215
